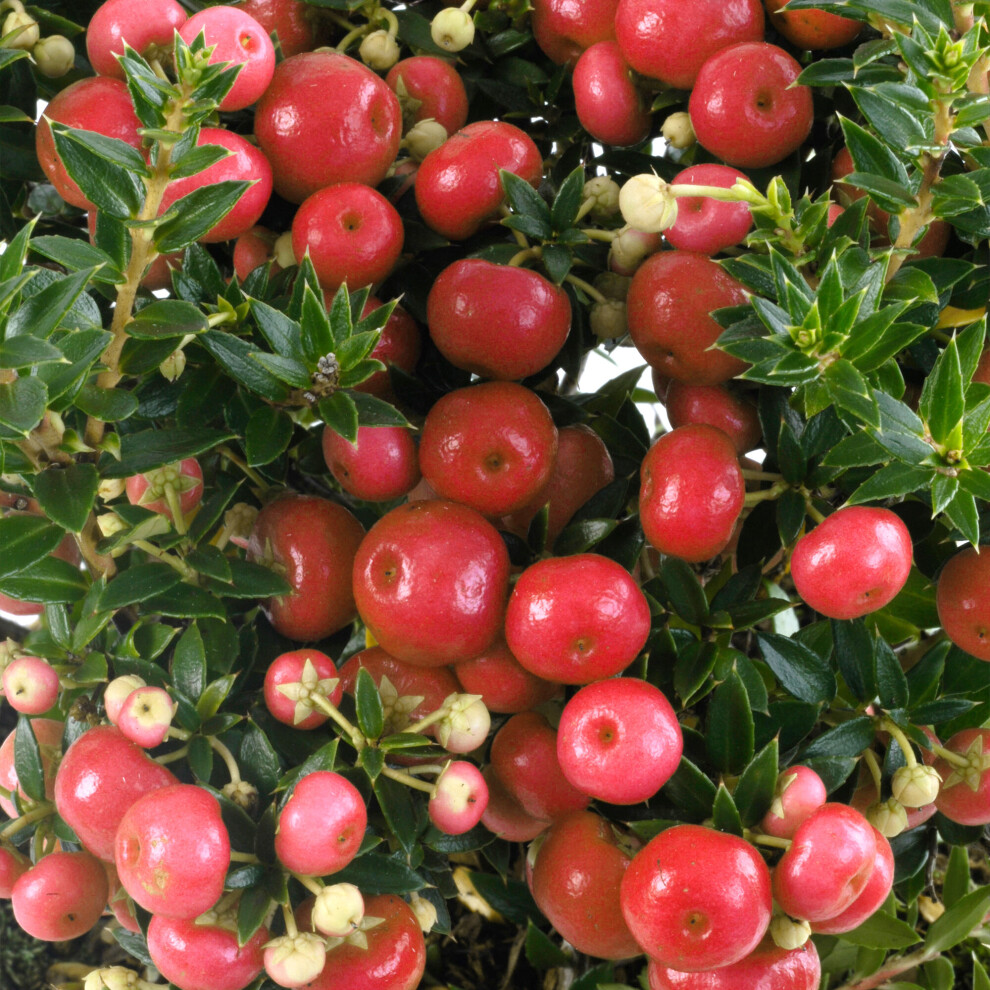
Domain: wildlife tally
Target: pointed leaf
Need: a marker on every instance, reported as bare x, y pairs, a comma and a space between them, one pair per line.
25, 540
800, 670
67, 494
754, 792
729, 726
368, 703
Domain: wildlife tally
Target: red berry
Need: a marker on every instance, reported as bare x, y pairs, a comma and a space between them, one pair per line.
609, 105
148, 27
704, 224
61, 897
963, 599
965, 792
429, 88
293, 680
48, 733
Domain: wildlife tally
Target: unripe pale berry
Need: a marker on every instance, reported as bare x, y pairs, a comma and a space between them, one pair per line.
788, 933
30, 684
338, 910
459, 798
452, 29
915, 786
608, 319
117, 691
424, 137
293, 960
54, 56
465, 725
646, 204
888, 817
26, 27
630, 248
111, 978
677, 131
379, 51
145, 716
604, 193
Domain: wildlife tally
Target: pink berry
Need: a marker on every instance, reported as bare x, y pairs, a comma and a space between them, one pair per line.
459, 798
30, 684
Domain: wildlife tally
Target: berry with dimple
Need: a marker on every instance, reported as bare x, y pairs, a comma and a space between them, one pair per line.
575, 883
827, 865
872, 896
576, 619
30, 685
962, 595
146, 715
853, 563
429, 88
799, 792
172, 851
321, 826
459, 798
236, 38
148, 27
691, 492
619, 740
61, 897
704, 224
679, 916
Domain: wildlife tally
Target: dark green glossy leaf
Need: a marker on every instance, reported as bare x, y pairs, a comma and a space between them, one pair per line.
22, 404
800, 671
339, 412
581, 536
397, 806
684, 589
883, 931
372, 761
510, 898
67, 494
214, 695
526, 203
259, 760
25, 540
892, 686
370, 712
268, 434
138, 584
848, 739
239, 359
134, 944
568, 200
27, 760
541, 952
690, 791
110, 405
943, 397
729, 726
692, 668
46, 581
956, 884
211, 562
26, 352
323, 759
251, 580
252, 910
854, 657
149, 449
893, 481
725, 815
189, 663
373, 411
754, 792
376, 873
195, 214
165, 318
186, 602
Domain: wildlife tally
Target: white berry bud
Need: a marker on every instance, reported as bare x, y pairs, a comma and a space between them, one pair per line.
915, 786
789, 933
452, 29
293, 960
111, 978
629, 249
54, 56
379, 51
608, 319
647, 204
26, 27
425, 911
173, 366
425, 136
888, 817
604, 193
465, 725
338, 910
678, 131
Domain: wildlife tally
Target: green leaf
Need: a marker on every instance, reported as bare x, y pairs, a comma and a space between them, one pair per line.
725, 815
943, 396
372, 761
318, 340
510, 898
397, 806
963, 514
211, 562
323, 759
685, 591
267, 436
42, 312
251, 580
339, 412
729, 725
283, 334
67, 494
186, 602
214, 695
367, 701
192, 216
800, 671
376, 873
149, 449
754, 792
138, 584
558, 261
165, 318
189, 663
22, 404
527, 206
692, 668
259, 760
26, 540
850, 391
893, 481
27, 760
568, 200
237, 358
691, 792
957, 923
581, 536
854, 657
109, 405
376, 412
956, 884
897, 125
892, 686
48, 581
848, 739
25, 352
541, 952
252, 909
883, 931
107, 170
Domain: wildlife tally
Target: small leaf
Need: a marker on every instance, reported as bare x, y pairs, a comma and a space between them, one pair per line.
137, 584
943, 396
854, 657
729, 725
754, 792
267, 436
27, 760
541, 952
214, 695
725, 815
957, 923
691, 792
567, 202
340, 413
189, 663
685, 591
800, 671
48, 581
67, 494
376, 873
526, 203
376, 412
883, 931
25, 540
110, 405
370, 712
848, 739
22, 404
252, 909
397, 806
195, 214
956, 884
258, 759
166, 318
147, 449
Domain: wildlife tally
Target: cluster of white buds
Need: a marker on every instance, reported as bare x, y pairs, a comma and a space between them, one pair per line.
325, 379
53, 55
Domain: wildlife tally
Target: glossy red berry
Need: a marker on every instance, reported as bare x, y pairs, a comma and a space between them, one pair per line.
148, 27
963, 599
61, 897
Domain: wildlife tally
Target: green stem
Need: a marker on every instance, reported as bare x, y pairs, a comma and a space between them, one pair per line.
873, 766
404, 778
166, 558
902, 740
357, 739
177, 754
527, 254
175, 507
290, 921
586, 287
595, 234
43, 810
955, 759
228, 758
767, 840
313, 885
243, 857
248, 471
767, 494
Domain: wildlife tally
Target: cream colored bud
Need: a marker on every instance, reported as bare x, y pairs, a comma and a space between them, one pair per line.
110, 488
26, 28
173, 366
888, 817
915, 786
338, 910
612, 285
647, 204
54, 56
379, 51
678, 131
282, 250
14, 5
629, 249
608, 319
425, 911
243, 794
788, 933
425, 136
111, 978
604, 194
110, 523
293, 960
452, 29
466, 724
